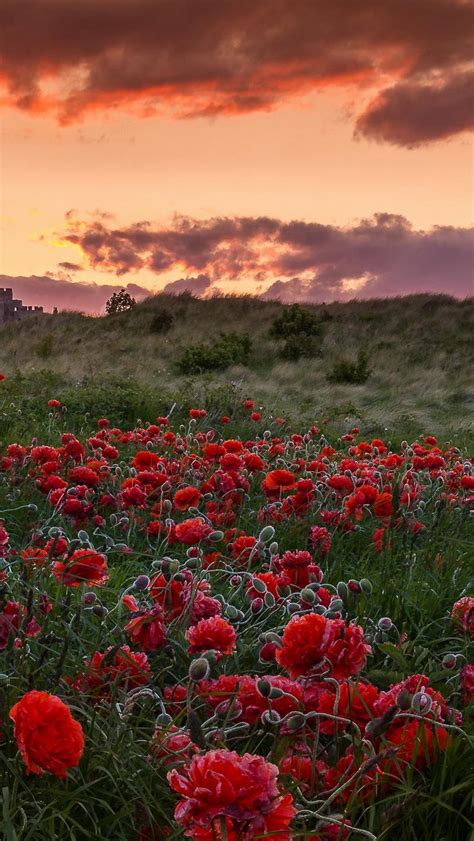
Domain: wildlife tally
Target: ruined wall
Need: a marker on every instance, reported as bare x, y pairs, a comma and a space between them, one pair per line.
12, 309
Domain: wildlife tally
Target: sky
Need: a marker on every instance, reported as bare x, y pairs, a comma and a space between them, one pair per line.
306, 150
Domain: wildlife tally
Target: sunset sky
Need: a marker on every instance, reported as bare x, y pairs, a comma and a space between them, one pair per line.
309, 150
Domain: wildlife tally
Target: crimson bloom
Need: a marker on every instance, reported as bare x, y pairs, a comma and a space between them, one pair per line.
240, 791
313, 644
85, 566
48, 737
147, 629
212, 634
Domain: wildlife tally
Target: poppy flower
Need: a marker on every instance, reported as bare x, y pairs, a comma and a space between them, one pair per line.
212, 634
241, 791
48, 737
85, 566
122, 668
185, 498
192, 531
147, 629
313, 644
462, 613
277, 481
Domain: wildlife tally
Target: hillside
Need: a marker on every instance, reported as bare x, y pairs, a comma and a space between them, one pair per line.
418, 350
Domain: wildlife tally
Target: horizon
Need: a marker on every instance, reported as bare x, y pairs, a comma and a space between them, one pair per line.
298, 151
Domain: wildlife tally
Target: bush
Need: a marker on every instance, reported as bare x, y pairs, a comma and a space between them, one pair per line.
44, 347
298, 329
345, 371
229, 349
162, 321
120, 302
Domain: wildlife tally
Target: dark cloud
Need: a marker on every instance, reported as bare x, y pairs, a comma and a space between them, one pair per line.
209, 57
70, 267
413, 113
49, 292
382, 255
196, 285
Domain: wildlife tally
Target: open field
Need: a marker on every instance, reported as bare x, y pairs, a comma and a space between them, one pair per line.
419, 351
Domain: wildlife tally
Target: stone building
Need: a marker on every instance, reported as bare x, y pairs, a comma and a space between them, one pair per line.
11, 309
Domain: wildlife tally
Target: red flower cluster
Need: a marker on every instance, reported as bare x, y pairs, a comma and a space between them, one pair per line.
313, 644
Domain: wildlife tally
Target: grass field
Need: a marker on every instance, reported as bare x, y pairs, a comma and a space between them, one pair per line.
419, 351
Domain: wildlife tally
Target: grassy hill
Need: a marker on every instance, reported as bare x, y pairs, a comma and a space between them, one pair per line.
418, 351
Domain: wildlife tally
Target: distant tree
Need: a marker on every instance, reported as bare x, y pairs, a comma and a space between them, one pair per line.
120, 302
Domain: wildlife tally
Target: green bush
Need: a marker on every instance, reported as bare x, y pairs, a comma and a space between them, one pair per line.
345, 371
299, 330
44, 347
162, 321
228, 349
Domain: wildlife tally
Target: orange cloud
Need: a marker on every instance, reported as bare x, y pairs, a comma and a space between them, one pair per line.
187, 58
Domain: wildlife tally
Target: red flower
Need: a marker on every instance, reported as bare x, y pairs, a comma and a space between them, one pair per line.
85, 566
192, 531
462, 613
196, 414
278, 481
186, 498
466, 676
212, 634
418, 743
147, 630
124, 669
313, 644
298, 567
242, 790
171, 746
48, 737
383, 505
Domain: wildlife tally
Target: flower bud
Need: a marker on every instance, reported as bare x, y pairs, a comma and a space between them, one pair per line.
449, 661
295, 721
259, 586
293, 607
100, 611
256, 605
421, 703
273, 548
404, 699
269, 600
366, 586
142, 582
336, 605
264, 687
270, 717
199, 670
89, 598
267, 534
342, 590
308, 596
385, 623
163, 720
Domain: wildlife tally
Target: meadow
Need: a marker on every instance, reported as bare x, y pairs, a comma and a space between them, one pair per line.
237, 603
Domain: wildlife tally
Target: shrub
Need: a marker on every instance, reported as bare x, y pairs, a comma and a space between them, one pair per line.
229, 349
298, 328
44, 347
162, 321
345, 371
119, 302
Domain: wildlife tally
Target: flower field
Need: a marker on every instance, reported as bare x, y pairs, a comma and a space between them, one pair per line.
226, 630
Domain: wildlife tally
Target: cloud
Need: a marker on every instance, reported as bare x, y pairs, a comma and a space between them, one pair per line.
196, 285
193, 58
382, 255
412, 113
70, 267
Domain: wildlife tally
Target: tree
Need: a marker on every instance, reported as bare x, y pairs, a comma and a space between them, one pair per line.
120, 302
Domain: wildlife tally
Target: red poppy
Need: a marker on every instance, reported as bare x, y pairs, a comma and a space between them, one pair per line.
313, 644
48, 737
185, 498
212, 634
147, 629
278, 481
242, 791
85, 566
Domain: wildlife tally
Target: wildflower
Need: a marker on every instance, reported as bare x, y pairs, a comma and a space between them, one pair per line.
186, 498
462, 613
212, 634
48, 737
123, 668
85, 566
240, 791
313, 644
147, 629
